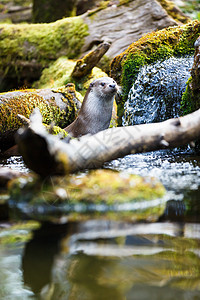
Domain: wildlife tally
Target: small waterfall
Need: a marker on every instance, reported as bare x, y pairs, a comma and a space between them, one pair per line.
156, 94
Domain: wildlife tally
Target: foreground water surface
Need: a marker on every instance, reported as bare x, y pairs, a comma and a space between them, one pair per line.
101, 259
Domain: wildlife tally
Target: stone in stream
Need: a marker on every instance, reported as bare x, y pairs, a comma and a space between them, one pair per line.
100, 194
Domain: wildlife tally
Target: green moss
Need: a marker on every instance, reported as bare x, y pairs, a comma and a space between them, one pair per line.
189, 104
104, 64
41, 42
83, 83
56, 130
102, 5
89, 189
173, 41
123, 2
122, 188
59, 73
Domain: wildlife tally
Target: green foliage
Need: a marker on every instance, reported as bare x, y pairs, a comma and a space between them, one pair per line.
191, 8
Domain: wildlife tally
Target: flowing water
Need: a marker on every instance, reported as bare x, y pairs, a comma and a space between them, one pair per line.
101, 259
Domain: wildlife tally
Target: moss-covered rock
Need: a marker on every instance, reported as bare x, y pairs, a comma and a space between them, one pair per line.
56, 105
173, 41
191, 96
42, 41
90, 193
189, 102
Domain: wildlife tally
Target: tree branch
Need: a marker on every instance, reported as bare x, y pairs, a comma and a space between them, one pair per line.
46, 154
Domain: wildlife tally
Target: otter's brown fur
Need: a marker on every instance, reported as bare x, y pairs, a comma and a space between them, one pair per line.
96, 110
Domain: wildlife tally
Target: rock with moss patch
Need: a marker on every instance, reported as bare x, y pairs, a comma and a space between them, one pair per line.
81, 196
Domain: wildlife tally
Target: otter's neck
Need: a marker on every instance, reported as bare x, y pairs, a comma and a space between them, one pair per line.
97, 112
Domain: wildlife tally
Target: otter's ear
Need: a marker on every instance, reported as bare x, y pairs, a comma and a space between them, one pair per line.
91, 84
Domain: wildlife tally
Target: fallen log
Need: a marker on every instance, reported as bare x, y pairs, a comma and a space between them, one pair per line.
46, 154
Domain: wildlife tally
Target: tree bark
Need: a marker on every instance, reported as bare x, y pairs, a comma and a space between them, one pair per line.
47, 155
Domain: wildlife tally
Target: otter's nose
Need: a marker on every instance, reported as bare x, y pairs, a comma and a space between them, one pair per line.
112, 86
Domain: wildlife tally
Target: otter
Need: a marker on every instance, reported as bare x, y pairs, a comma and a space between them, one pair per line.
96, 110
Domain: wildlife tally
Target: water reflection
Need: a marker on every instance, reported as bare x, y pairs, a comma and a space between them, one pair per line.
104, 260
101, 259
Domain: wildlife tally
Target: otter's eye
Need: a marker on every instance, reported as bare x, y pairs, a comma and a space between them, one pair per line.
102, 83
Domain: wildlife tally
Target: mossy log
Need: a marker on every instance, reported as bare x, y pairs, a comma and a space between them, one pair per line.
47, 155
26, 49
59, 106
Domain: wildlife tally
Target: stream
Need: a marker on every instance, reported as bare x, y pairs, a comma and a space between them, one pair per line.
102, 259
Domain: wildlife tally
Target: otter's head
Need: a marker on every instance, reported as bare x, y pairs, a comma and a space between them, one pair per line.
104, 87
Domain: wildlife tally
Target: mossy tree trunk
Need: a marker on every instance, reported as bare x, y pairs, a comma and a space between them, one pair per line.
25, 49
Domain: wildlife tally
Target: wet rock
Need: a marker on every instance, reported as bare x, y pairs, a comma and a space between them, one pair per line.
157, 91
